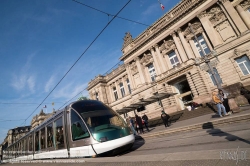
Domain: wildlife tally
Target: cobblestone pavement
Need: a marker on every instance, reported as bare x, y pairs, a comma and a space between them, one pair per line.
148, 163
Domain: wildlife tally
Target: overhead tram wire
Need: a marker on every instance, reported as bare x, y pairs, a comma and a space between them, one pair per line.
108, 14
86, 88
79, 58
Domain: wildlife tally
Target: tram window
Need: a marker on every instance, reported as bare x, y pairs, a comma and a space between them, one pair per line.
78, 129
42, 139
49, 136
30, 143
59, 134
37, 141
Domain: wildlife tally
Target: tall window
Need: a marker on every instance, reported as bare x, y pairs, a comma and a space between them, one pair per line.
96, 96
217, 76
129, 88
203, 44
244, 64
122, 89
173, 59
151, 70
115, 93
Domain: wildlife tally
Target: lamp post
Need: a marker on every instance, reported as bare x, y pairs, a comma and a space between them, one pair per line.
207, 61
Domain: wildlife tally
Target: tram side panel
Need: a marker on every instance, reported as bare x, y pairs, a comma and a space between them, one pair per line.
50, 140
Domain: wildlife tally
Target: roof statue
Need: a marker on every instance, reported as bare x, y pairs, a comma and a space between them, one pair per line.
127, 39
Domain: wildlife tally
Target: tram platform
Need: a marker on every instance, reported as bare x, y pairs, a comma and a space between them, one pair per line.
195, 123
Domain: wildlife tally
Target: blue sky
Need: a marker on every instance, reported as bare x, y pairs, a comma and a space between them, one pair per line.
41, 39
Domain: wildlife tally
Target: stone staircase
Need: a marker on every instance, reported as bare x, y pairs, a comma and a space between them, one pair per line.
184, 115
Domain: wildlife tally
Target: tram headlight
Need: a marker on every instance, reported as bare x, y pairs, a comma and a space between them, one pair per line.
103, 139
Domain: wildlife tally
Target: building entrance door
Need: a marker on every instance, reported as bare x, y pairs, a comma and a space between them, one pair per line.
184, 93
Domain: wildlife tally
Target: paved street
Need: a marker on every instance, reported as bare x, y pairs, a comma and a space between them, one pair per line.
203, 147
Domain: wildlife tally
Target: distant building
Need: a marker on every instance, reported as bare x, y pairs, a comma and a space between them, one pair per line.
38, 119
167, 58
14, 134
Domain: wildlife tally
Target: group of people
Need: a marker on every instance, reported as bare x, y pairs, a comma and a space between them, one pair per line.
136, 124
221, 101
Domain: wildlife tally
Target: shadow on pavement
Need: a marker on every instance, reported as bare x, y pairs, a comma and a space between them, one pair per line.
139, 142
217, 132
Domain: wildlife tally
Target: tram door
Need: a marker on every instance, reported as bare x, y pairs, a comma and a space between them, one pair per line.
184, 93
78, 136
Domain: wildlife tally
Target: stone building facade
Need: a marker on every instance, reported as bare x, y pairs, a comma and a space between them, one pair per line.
38, 119
167, 58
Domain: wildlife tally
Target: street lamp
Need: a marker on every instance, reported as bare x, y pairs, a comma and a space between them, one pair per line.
206, 60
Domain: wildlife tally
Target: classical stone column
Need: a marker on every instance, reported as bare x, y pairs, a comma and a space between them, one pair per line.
234, 15
243, 14
178, 55
196, 53
160, 57
185, 44
140, 70
168, 61
179, 47
207, 41
111, 93
229, 19
147, 74
212, 34
130, 77
157, 65
191, 83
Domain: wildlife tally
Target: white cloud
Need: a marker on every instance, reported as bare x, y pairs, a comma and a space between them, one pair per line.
50, 83
31, 83
69, 91
24, 80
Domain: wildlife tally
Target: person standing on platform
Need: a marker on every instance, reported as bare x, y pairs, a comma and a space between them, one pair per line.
245, 93
145, 118
165, 117
218, 102
225, 100
139, 123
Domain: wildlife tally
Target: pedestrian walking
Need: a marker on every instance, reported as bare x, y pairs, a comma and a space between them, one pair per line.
217, 99
145, 118
224, 95
245, 93
139, 123
131, 125
165, 117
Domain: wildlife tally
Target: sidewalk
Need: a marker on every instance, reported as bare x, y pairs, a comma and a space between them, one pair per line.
197, 122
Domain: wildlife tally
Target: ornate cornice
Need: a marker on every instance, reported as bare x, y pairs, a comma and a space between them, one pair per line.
173, 16
146, 59
202, 14
245, 4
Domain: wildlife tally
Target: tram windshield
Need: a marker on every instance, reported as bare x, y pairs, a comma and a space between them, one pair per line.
104, 123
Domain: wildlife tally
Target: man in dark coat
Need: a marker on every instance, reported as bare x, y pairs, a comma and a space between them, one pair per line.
245, 93
165, 117
145, 118
139, 123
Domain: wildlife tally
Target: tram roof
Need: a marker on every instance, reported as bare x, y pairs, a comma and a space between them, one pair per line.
144, 102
